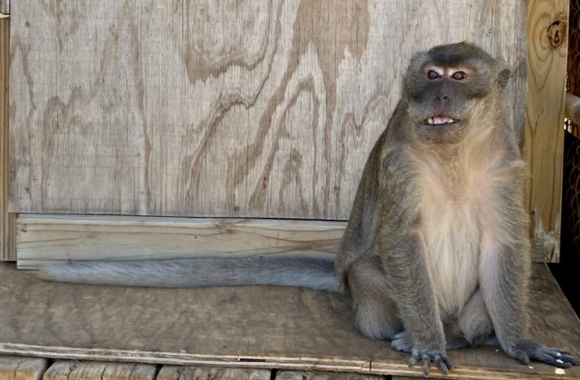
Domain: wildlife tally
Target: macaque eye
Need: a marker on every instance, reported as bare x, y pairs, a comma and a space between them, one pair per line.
432, 74
459, 75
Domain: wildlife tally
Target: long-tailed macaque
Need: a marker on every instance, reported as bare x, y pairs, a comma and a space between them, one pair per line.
436, 251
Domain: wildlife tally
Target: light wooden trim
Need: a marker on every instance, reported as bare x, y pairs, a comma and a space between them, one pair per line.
50, 238
7, 220
544, 133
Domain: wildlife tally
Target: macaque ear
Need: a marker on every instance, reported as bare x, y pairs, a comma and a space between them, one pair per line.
503, 78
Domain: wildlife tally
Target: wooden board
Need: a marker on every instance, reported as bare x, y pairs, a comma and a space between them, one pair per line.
293, 375
7, 220
18, 368
221, 109
73, 370
169, 372
544, 133
249, 327
45, 239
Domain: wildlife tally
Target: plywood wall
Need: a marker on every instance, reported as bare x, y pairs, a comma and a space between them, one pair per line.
261, 108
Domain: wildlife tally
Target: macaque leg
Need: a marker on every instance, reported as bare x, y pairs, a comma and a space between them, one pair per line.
375, 313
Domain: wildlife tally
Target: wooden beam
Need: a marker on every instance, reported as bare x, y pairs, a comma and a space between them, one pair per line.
7, 220
49, 238
21, 368
544, 133
170, 372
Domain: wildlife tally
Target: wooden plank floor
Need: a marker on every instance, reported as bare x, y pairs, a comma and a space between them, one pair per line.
245, 328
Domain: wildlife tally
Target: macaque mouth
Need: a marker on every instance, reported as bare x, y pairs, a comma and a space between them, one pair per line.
440, 120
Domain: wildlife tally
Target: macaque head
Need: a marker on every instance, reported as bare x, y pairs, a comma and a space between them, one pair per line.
444, 84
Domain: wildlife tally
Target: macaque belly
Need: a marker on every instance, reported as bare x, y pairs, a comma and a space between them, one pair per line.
451, 235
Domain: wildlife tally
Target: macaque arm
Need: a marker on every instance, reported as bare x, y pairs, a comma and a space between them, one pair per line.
504, 272
403, 256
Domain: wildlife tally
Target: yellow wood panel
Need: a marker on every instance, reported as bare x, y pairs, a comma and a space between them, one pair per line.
544, 133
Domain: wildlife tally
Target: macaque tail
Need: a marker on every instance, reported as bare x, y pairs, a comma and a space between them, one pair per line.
296, 271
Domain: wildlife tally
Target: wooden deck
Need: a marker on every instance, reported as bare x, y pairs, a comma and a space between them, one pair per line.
229, 333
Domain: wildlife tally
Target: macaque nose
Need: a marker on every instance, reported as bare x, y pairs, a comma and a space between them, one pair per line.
442, 98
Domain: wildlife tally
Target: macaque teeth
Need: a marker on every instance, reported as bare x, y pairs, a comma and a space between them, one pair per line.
439, 120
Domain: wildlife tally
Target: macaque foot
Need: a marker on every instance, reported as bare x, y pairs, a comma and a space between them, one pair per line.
401, 342
439, 357
530, 350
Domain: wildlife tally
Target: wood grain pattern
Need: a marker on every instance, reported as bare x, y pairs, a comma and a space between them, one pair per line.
169, 372
544, 133
18, 368
247, 327
73, 370
263, 108
45, 239
7, 220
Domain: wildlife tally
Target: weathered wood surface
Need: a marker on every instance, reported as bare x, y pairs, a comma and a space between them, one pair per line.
18, 368
250, 327
49, 238
291, 375
7, 220
73, 370
544, 132
5, 7
198, 373
221, 109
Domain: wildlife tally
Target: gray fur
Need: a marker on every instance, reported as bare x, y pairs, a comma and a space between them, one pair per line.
314, 273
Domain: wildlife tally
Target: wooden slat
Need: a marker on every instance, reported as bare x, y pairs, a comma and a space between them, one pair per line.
7, 220
293, 375
258, 109
21, 368
48, 238
73, 370
169, 372
247, 327
544, 134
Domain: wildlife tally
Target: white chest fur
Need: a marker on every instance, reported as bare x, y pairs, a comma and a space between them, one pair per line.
451, 205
